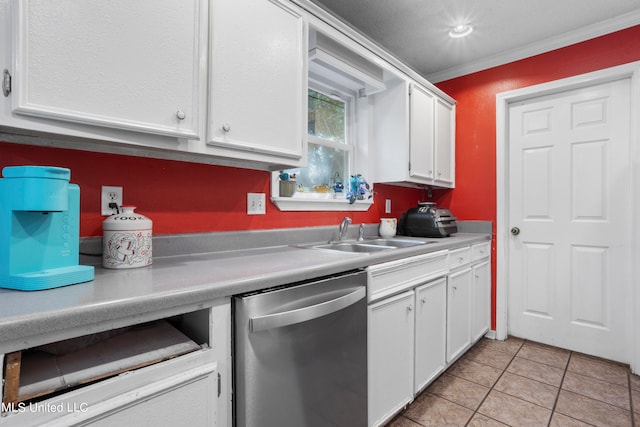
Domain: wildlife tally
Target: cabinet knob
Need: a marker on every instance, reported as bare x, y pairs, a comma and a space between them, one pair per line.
423, 300
461, 259
226, 127
180, 115
410, 307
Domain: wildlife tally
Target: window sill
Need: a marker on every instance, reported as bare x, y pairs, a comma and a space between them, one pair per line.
323, 202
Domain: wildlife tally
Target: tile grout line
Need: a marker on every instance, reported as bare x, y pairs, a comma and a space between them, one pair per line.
564, 374
493, 386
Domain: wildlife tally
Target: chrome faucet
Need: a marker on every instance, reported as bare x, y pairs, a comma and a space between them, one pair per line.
361, 233
344, 225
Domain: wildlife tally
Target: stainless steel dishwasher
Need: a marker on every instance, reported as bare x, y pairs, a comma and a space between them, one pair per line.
300, 355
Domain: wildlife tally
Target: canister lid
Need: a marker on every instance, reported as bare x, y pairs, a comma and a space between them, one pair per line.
50, 172
127, 220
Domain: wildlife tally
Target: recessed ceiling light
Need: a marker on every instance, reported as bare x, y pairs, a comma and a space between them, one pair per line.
461, 30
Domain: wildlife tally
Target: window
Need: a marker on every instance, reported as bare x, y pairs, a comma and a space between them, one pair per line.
340, 82
330, 150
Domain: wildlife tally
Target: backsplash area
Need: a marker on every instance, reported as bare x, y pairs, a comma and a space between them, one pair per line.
183, 197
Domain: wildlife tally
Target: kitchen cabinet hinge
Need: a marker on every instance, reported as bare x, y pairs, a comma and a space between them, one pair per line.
6, 82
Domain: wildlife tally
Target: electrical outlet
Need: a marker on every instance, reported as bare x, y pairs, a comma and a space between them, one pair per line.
256, 204
110, 195
387, 206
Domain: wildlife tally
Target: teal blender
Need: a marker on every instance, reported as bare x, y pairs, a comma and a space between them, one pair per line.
39, 229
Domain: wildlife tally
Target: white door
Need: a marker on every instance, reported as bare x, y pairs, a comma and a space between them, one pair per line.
569, 195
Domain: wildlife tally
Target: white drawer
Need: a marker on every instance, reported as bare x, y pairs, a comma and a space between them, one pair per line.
481, 250
459, 257
396, 276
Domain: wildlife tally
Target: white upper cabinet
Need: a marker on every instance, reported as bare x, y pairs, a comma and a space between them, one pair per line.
258, 80
421, 135
445, 143
414, 139
119, 64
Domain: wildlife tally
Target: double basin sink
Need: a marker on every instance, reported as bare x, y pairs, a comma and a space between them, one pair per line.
368, 245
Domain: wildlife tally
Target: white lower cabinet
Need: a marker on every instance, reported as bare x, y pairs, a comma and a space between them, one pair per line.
425, 311
430, 335
188, 389
481, 307
458, 313
391, 355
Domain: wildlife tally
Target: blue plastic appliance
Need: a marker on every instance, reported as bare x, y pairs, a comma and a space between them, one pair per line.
39, 229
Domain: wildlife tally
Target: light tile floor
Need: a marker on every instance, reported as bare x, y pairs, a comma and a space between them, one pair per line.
523, 383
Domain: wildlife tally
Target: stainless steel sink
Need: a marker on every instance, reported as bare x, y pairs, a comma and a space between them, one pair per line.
353, 247
396, 243
367, 245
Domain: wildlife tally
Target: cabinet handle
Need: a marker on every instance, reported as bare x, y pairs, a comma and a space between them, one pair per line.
180, 115
6, 83
226, 127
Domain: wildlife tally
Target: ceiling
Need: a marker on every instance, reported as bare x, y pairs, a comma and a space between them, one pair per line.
416, 31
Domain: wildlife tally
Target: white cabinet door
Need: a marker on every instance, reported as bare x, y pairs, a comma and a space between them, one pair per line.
413, 133
421, 131
430, 340
119, 64
195, 397
444, 143
458, 313
481, 300
257, 100
391, 352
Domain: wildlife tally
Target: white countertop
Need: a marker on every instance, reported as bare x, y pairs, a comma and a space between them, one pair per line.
172, 282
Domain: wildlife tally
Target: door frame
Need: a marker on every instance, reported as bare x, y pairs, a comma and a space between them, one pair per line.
503, 101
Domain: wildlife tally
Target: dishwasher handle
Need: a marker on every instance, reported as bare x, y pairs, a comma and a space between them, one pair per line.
291, 317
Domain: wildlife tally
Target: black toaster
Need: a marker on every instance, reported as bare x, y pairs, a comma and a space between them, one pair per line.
427, 220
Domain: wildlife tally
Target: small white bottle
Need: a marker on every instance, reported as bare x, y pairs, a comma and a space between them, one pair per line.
126, 241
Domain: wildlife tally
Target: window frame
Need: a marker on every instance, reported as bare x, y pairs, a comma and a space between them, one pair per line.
327, 201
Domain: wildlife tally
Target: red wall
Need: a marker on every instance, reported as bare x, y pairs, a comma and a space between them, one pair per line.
475, 193
182, 197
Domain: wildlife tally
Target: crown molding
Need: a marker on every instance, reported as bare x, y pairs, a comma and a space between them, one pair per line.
576, 36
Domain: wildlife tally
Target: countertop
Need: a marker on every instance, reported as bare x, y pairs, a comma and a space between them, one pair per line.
175, 281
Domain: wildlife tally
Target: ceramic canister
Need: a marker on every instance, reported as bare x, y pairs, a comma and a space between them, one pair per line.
126, 241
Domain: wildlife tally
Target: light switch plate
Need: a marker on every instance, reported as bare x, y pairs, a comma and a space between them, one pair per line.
256, 204
387, 206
